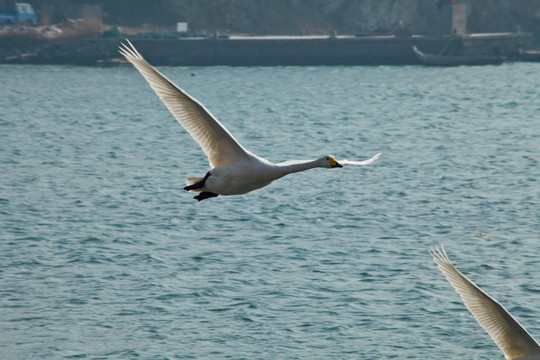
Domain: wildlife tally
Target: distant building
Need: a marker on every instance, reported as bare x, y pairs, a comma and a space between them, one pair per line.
447, 17
181, 27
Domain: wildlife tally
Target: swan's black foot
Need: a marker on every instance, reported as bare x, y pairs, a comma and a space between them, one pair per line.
205, 195
199, 184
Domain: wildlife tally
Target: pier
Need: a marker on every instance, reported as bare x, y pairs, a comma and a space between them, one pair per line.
265, 50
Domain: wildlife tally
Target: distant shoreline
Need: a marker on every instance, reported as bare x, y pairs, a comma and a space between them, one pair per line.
254, 50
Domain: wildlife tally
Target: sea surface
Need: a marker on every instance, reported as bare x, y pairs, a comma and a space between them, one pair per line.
104, 256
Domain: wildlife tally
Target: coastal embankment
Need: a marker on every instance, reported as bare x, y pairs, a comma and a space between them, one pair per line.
260, 50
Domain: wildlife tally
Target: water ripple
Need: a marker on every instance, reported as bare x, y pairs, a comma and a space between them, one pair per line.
102, 256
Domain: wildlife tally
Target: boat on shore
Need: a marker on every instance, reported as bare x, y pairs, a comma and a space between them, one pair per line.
456, 60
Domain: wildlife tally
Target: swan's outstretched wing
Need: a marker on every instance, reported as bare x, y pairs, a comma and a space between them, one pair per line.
507, 333
218, 144
365, 162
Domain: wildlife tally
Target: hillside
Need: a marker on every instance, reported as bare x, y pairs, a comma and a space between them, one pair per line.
297, 16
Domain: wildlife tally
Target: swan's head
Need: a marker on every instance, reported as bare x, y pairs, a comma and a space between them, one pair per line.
329, 161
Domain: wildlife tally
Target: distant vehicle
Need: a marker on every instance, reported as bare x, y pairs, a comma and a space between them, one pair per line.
21, 14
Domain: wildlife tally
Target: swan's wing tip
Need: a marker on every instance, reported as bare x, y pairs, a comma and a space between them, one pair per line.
509, 335
129, 51
439, 254
365, 162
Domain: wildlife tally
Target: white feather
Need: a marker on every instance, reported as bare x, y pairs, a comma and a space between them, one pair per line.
507, 332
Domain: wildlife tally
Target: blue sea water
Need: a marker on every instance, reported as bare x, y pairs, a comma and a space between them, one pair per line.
104, 256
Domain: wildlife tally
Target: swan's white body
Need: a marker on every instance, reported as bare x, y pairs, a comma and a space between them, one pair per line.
507, 332
234, 170
252, 173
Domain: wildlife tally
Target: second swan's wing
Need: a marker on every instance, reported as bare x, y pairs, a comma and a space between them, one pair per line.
508, 334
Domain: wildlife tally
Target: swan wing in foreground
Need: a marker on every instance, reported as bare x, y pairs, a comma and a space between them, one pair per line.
365, 162
508, 334
216, 141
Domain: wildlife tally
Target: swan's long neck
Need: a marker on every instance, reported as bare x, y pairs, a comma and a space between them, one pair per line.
290, 167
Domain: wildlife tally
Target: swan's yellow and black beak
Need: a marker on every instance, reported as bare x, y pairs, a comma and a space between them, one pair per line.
334, 163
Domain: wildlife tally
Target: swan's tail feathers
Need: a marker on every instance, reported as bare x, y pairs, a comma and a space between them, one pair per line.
192, 181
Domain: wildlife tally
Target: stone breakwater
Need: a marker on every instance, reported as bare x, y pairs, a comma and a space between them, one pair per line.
259, 51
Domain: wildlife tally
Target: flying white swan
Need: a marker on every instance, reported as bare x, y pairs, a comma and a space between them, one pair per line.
508, 334
234, 170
